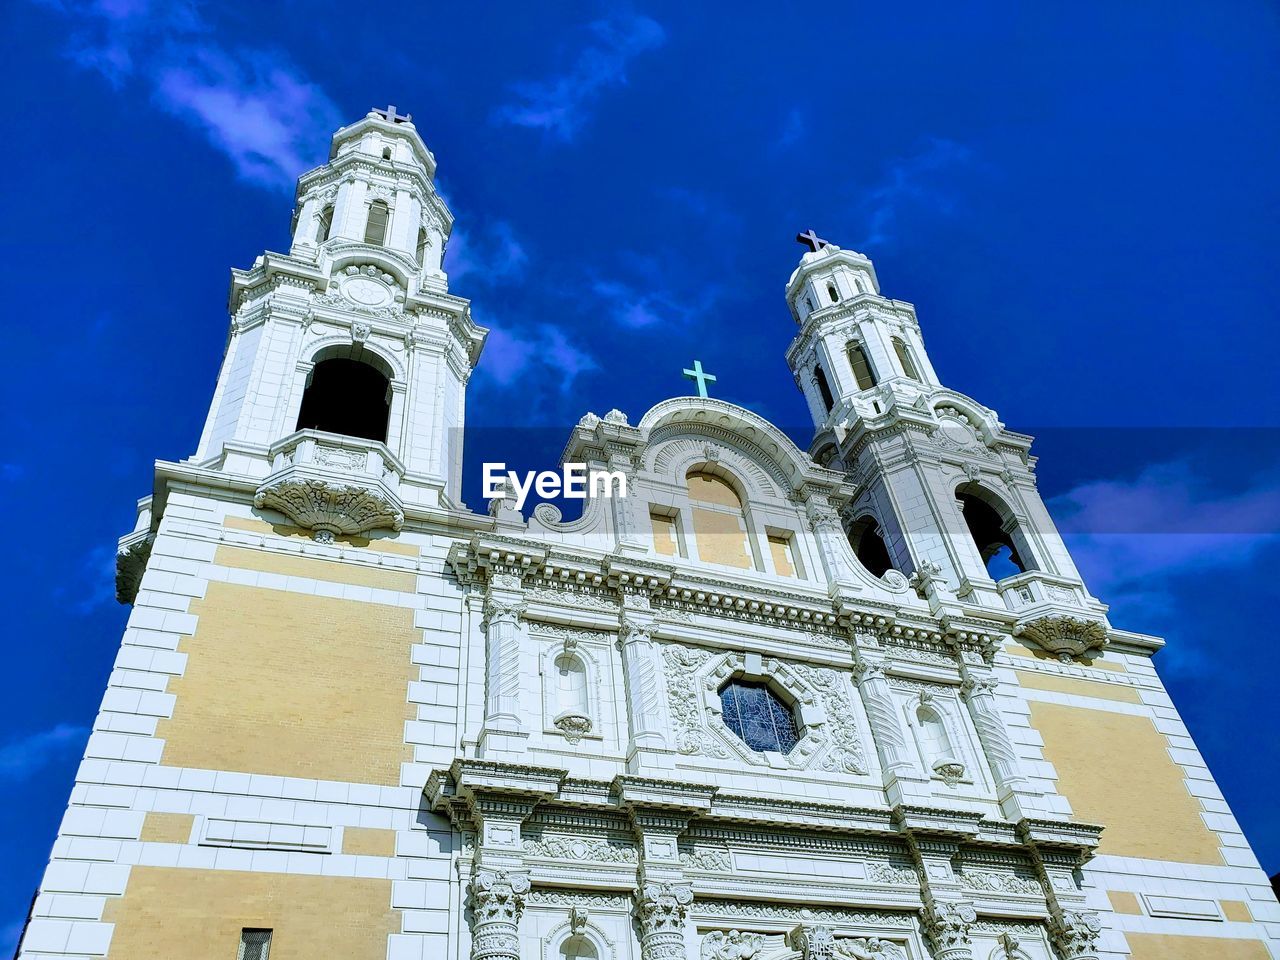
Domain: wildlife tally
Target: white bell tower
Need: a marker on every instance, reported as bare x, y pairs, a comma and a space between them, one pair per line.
342, 392
944, 491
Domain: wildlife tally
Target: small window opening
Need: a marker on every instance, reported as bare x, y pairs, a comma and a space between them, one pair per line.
386, 153
347, 397
833, 293
869, 547
862, 369
423, 242
782, 550
759, 717
824, 388
808, 302
934, 740
668, 539
375, 229
904, 358
255, 944
995, 544
326, 224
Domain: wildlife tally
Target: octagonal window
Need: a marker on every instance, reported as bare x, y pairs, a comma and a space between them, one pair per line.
758, 716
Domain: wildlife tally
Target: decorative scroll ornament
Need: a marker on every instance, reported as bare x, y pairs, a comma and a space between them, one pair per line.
497, 901
734, 945
1075, 933
330, 508
661, 909
573, 724
1065, 637
948, 927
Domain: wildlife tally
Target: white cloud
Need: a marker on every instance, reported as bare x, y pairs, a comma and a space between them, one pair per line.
561, 105
21, 758
911, 180
255, 106
497, 257
544, 352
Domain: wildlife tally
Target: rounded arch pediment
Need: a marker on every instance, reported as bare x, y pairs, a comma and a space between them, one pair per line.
342, 346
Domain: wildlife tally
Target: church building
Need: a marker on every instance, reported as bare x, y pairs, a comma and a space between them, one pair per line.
853, 702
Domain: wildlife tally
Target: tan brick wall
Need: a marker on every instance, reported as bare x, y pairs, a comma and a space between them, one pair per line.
247, 558
293, 684
179, 914
369, 841
1077, 687
1115, 769
167, 827
1124, 902
380, 544
1237, 910
1159, 946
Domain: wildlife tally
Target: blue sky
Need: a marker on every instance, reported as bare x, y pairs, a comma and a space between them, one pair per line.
1080, 199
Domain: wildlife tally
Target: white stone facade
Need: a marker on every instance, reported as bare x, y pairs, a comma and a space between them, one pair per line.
571, 787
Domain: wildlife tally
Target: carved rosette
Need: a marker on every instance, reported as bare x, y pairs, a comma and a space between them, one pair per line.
1065, 637
947, 925
1075, 934
497, 901
661, 909
330, 507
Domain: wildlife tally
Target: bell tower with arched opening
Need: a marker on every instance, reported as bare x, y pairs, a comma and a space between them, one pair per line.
342, 391
945, 492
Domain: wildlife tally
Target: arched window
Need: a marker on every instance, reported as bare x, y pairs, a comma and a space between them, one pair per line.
375, 228
578, 947
934, 740
862, 369
998, 540
348, 397
386, 153
758, 716
904, 358
325, 225
719, 522
423, 241
832, 292
869, 546
571, 686
824, 388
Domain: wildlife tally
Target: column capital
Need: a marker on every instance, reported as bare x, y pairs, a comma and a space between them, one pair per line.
947, 924
662, 910
1075, 933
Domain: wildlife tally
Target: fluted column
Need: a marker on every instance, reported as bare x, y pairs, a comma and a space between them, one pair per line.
979, 694
504, 641
645, 685
497, 902
661, 912
829, 536
632, 537
882, 714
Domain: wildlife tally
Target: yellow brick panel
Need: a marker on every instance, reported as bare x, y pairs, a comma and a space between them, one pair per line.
1054, 683
294, 685
335, 571
1161, 946
721, 538
167, 827
1237, 911
1124, 902
664, 535
1018, 650
779, 550
1115, 769
383, 545
182, 914
709, 489
369, 841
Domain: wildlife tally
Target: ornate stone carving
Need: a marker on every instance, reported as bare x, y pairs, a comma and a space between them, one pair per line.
573, 724
1066, 637
734, 945
950, 770
329, 506
586, 849
815, 942
865, 948
706, 858
880, 871
846, 754
1075, 933
686, 712
947, 925
497, 901
994, 881
661, 909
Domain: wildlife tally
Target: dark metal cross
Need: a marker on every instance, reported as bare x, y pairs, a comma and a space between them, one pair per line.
390, 114
811, 240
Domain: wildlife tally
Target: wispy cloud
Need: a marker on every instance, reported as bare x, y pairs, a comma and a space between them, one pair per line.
1135, 540
23, 757
914, 181
253, 105
543, 353
561, 105
794, 128
494, 256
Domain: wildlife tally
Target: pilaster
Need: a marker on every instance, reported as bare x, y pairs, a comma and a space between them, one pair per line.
504, 733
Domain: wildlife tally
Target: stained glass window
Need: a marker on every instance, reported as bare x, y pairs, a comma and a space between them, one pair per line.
757, 715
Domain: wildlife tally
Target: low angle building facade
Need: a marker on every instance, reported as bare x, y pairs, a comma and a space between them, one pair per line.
849, 703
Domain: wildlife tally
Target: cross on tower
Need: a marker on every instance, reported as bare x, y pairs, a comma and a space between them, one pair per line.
390, 114
701, 378
811, 240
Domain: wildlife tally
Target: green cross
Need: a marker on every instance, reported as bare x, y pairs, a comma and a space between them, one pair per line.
702, 379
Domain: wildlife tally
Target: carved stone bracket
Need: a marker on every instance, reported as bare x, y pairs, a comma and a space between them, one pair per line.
1065, 637
330, 508
1075, 933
